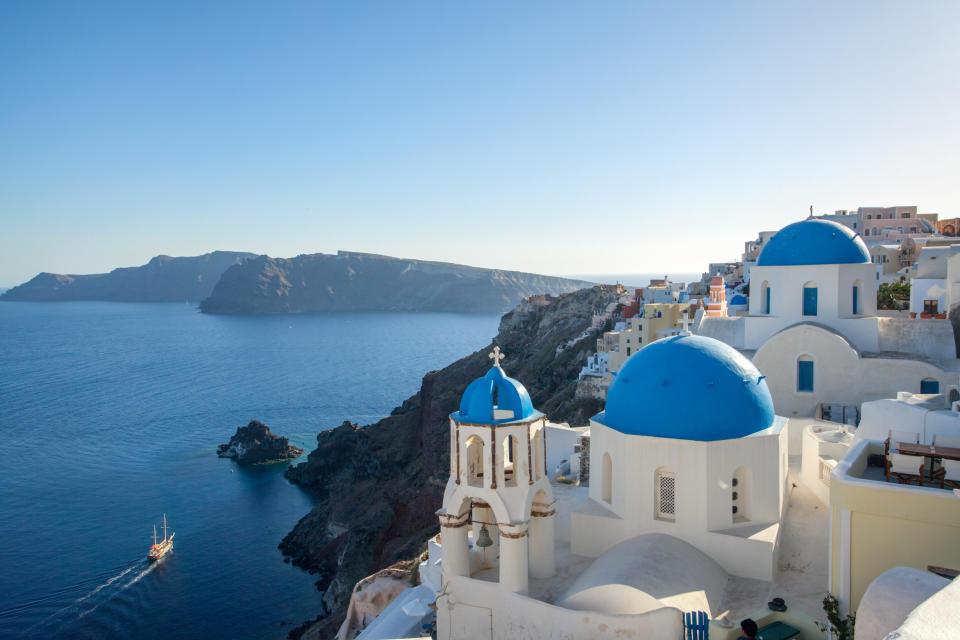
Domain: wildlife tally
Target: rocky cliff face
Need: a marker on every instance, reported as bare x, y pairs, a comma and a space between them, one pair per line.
380, 485
365, 282
255, 444
163, 279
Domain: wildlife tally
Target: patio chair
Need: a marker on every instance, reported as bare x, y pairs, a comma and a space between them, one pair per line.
946, 441
948, 474
894, 436
906, 469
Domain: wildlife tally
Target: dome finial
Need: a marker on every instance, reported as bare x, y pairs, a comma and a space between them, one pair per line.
496, 356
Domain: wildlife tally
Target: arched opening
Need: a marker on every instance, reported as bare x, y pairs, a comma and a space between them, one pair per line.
953, 396
857, 297
606, 484
929, 385
765, 298
740, 488
541, 535
805, 374
810, 299
665, 498
511, 467
474, 456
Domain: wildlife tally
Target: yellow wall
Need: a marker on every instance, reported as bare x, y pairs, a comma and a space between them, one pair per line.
891, 526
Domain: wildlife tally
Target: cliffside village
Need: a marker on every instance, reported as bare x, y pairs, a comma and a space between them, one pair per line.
778, 451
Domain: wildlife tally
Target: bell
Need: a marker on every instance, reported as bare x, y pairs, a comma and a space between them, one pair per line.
484, 540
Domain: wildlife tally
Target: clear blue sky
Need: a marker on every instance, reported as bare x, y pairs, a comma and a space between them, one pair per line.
558, 137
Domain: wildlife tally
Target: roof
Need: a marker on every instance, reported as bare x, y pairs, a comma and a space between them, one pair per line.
478, 405
691, 388
738, 299
814, 242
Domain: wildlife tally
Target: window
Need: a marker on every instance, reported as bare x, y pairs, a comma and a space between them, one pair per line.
929, 385
765, 298
810, 299
930, 306
607, 484
805, 374
666, 488
856, 298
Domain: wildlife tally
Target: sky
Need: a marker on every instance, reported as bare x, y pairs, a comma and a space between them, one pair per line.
554, 137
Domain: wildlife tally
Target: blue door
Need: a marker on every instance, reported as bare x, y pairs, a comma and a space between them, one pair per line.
929, 386
809, 301
804, 375
766, 302
856, 300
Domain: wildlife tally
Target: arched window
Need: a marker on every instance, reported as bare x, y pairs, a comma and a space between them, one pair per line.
665, 486
740, 487
810, 299
805, 373
929, 385
475, 461
606, 485
857, 289
765, 298
510, 467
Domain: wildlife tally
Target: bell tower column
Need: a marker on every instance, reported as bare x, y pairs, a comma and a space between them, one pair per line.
514, 557
542, 560
454, 545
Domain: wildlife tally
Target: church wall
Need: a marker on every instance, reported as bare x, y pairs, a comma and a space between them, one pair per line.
477, 610
927, 337
699, 467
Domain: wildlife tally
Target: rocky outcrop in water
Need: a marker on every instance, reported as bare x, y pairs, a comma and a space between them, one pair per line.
254, 444
379, 486
163, 279
350, 281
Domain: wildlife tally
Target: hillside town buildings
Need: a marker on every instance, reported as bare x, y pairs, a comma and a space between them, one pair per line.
775, 442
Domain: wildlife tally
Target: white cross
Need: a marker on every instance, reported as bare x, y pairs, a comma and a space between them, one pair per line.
685, 319
496, 356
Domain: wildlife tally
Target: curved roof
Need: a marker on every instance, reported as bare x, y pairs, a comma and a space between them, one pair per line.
477, 405
691, 388
648, 572
814, 242
738, 299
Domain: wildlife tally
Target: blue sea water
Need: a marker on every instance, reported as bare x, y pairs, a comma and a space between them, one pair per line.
110, 415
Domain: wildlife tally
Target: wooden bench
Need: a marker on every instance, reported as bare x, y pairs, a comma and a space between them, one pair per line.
777, 631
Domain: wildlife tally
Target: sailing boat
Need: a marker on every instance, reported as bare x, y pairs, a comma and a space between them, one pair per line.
159, 549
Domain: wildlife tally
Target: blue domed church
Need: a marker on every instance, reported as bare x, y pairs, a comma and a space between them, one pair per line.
813, 329
689, 446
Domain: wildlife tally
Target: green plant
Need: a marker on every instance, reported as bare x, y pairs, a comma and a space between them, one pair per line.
893, 295
841, 627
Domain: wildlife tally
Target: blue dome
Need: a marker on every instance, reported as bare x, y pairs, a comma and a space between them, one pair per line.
691, 388
477, 402
814, 242
738, 299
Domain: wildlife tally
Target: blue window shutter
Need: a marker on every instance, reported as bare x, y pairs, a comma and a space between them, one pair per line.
929, 386
856, 300
809, 301
804, 375
767, 301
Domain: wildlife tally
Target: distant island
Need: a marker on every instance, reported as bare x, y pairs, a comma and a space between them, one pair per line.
255, 444
233, 282
350, 281
163, 279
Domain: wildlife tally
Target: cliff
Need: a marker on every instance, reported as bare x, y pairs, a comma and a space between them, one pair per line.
255, 444
163, 279
351, 281
380, 485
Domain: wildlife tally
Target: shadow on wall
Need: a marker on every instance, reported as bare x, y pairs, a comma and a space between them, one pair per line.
955, 323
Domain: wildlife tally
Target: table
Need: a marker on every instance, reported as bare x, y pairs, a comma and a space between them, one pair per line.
928, 451
778, 631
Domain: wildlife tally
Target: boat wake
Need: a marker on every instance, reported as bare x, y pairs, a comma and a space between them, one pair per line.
96, 597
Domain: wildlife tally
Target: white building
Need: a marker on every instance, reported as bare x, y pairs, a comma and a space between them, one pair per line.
813, 329
935, 280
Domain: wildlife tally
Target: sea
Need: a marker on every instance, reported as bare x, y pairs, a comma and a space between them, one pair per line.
110, 415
